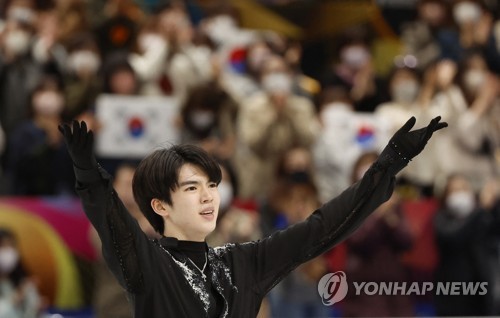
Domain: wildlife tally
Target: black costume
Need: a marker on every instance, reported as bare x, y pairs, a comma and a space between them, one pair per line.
163, 281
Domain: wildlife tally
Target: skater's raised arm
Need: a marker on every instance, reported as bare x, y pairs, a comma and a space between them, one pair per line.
278, 254
120, 234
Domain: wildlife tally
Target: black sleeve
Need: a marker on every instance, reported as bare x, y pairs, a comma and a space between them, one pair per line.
274, 257
124, 245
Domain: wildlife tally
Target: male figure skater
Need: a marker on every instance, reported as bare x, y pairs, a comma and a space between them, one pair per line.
176, 189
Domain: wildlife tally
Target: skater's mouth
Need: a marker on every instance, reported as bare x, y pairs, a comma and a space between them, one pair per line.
206, 211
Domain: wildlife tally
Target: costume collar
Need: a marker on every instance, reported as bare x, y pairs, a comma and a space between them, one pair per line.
185, 246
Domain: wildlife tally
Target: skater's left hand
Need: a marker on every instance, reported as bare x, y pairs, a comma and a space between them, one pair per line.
406, 145
410, 143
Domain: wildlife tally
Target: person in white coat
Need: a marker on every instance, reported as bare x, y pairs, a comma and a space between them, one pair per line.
345, 135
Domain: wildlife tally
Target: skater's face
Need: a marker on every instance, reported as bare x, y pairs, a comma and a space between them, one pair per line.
195, 206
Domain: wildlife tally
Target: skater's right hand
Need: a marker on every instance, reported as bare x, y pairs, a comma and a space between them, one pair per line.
79, 142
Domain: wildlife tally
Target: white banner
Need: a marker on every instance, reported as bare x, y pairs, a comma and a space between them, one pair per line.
133, 126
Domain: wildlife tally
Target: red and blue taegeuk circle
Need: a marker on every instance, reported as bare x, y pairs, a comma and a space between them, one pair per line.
237, 58
365, 135
136, 127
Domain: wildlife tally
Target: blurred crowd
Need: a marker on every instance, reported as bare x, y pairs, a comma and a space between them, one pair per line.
287, 141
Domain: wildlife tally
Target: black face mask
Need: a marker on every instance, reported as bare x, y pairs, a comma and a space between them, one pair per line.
299, 176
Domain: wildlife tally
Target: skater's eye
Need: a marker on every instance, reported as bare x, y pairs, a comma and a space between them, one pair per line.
190, 188
213, 185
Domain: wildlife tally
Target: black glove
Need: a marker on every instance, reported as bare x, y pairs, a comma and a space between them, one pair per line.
80, 144
406, 144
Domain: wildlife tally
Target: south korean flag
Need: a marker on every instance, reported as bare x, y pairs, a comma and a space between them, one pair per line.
132, 126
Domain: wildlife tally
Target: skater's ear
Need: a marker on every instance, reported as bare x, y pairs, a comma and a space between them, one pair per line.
160, 207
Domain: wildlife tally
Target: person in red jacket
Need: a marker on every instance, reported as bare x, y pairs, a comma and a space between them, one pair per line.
178, 275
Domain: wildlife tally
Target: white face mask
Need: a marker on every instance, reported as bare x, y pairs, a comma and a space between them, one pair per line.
202, 119
405, 92
277, 83
466, 12
221, 28
474, 79
17, 42
9, 257
21, 14
48, 103
226, 194
150, 41
461, 203
355, 56
84, 60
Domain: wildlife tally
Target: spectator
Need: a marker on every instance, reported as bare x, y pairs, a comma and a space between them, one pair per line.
224, 31
36, 161
148, 61
18, 71
241, 85
468, 146
234, 225
72, 17
119, 77
209, 119
303, 84
464, 227
47, 50
344, 136
404, 89
294, 166
238, 53
269, 124
117, 32
296, 295
408, 99
18, 294
188, 64
474, 31
477, 131
440, 94
82, 82
355, 72
420, 36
